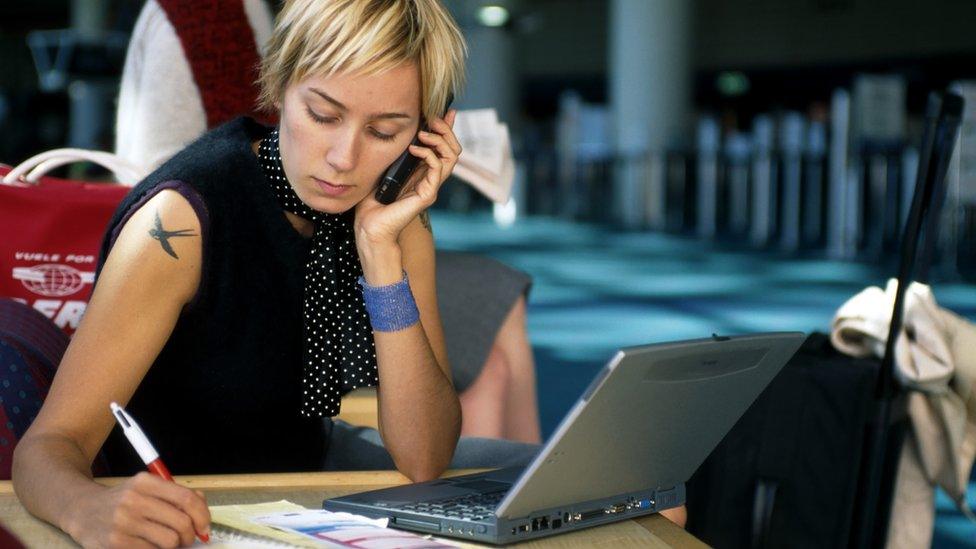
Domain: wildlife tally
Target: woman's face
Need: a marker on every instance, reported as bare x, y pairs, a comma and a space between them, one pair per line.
340, 133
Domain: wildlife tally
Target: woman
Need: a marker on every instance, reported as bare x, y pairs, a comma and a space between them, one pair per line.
252, 279
171, 92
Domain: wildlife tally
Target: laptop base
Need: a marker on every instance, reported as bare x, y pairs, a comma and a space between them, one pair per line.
391, 503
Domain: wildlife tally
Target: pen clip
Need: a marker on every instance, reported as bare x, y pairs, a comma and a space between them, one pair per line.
134, 433
121, 416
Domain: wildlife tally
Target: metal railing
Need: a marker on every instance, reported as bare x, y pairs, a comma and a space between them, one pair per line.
791, 201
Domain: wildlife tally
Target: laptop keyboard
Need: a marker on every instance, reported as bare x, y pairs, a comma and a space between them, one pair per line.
467, 507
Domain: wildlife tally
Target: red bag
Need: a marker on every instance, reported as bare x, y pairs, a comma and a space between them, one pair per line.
52, 229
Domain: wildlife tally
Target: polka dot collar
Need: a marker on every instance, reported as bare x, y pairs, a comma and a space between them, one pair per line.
339, 353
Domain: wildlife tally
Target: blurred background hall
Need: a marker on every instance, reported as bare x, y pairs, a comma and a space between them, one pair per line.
683, 167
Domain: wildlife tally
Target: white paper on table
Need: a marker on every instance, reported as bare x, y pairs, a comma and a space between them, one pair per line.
345, 530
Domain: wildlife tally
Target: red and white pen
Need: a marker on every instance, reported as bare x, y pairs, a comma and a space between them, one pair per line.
144, 448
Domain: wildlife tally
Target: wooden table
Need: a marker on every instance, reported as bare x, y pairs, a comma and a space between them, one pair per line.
309, 489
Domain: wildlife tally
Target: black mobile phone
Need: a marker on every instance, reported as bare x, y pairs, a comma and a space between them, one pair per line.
396, 176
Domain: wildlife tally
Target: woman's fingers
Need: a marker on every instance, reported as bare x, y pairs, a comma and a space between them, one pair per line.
159, 535
446, 130
440, 154
434, 168
147, 518
190, 503
439, 150
165, 515
440, 144
123, 541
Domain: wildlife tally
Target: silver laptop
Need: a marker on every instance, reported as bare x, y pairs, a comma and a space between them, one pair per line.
647, 421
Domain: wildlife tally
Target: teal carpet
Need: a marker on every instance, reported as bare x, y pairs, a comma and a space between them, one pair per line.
595, 289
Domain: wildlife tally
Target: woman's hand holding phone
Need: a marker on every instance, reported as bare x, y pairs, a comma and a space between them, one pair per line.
380, 225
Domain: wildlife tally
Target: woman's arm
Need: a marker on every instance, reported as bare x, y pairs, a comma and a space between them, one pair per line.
147, 279
419, 413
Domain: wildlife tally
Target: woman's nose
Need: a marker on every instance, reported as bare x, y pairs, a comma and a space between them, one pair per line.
342, 153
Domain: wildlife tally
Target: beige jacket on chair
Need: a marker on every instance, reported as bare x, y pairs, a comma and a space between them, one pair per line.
935, 358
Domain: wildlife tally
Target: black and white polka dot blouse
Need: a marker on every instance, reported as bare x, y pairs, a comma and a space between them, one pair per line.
339, 353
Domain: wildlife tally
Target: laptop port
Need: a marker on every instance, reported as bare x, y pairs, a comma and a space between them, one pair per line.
556, 523
618, 508
540, 523
586, 515
523, 528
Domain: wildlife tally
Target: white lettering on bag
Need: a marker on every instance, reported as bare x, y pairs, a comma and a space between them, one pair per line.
36, 256
82, 259
63, 313
85, 259
70, 314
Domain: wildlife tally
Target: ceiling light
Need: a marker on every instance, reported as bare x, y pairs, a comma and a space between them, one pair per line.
492, 16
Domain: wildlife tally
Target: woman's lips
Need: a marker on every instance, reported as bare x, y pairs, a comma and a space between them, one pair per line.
330, 189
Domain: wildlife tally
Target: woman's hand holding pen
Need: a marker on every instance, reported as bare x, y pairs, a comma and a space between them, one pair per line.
378, 226
143, 511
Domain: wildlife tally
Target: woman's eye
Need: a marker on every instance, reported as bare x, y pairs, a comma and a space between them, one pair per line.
383, 136
318, 118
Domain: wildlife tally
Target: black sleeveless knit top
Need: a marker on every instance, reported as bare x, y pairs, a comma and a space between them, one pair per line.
224, 394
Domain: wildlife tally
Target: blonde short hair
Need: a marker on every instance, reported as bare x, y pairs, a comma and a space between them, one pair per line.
325, 37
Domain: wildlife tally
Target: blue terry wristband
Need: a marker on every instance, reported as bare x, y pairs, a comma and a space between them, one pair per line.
391, 308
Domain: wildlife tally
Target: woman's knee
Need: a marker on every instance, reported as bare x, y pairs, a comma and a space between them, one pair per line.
498, 366
495, 376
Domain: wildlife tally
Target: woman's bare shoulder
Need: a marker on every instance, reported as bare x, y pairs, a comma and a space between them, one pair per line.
160, 242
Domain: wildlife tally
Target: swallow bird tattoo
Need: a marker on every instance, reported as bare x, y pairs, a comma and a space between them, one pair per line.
163, 236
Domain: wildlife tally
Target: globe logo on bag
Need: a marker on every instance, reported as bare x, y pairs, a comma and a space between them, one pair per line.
52, 280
